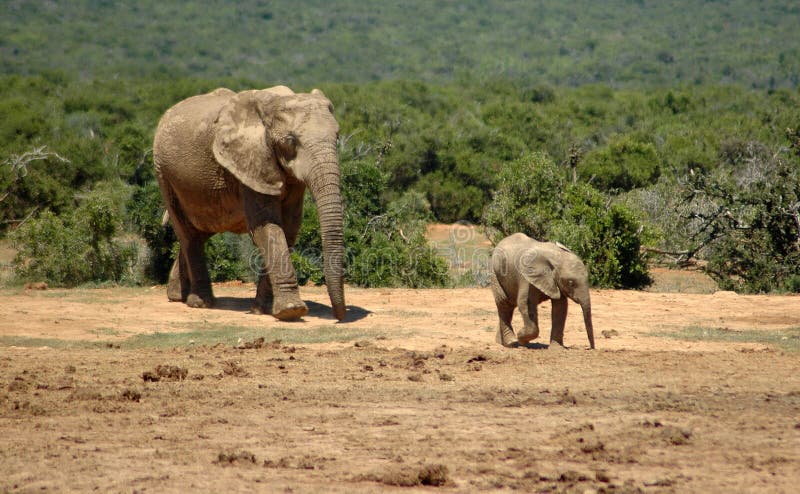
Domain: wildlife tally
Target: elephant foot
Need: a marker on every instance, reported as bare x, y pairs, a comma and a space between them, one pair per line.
554, 345
505, 336
289, 310
527, 334
260, 307
196, 302
174, 292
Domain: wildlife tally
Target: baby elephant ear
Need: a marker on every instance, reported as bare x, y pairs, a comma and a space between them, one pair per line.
539, 272
241, 143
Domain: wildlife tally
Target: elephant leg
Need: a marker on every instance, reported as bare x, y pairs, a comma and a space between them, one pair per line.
505, 312
200, 294
192, 271
505, 333
263, 215
286, 302
263, 301
292, 217
178, 284
530, 316
559, 320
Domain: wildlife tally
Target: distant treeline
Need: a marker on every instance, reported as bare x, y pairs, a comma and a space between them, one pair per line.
619, 43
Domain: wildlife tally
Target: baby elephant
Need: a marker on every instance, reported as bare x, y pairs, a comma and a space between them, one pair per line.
526, 272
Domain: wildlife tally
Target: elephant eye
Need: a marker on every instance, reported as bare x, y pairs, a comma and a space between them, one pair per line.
290, 140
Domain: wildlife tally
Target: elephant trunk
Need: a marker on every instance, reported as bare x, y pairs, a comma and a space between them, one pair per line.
325, 185
587, 320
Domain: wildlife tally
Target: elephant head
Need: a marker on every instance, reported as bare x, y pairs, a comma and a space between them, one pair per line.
268, 138
555, 271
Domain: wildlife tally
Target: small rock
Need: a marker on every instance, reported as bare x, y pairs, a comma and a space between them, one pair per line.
416, 377
229, 458
676, 436
602, 476
132, 395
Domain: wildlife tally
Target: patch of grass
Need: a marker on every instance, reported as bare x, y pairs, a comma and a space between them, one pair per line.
408, 313
25, 341
105, 332
785, 339
211, 334
205, 334
680, 281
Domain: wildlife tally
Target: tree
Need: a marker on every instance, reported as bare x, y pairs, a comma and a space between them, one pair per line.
749, 227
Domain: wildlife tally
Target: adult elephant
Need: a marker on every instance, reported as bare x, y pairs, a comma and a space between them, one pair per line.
240, 162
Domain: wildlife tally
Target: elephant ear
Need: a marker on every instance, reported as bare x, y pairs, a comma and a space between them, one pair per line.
242, 142
537, 270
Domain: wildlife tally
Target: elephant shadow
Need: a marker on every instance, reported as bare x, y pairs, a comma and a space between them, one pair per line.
354, 313
240, 304
535, 346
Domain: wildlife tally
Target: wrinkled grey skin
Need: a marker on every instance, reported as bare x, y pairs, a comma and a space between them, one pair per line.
525, 273
240, 162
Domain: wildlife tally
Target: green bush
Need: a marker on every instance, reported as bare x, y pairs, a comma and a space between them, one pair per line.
624, 164
527, 198
145, 211
745, 223
226, 260
76, 247
534, 198
608, 237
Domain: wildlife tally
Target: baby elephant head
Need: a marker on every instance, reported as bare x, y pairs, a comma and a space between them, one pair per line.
555, 270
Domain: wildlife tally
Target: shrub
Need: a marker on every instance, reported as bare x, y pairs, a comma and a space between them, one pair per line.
608, 237
226, 260
623, 164
535, 199
145, 211
748, 227
76, 247
527, 198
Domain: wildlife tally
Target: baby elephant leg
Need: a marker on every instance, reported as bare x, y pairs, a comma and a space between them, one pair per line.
530, 318
505, 333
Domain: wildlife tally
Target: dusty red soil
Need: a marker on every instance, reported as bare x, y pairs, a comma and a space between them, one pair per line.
418, 395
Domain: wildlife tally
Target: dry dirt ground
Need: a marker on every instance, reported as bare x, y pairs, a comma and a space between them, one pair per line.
118, 390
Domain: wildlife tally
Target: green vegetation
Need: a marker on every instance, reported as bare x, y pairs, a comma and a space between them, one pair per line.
75, 247
785, 339
616, 42
533, 196
608, 126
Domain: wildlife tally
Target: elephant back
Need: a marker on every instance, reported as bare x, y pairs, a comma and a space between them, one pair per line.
188, 125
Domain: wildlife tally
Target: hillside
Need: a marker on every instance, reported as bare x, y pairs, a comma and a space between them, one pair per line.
616, 42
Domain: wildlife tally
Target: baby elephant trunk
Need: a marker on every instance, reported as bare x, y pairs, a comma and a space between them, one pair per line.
587, 320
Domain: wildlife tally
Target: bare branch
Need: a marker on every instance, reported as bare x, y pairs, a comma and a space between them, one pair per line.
23, 220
